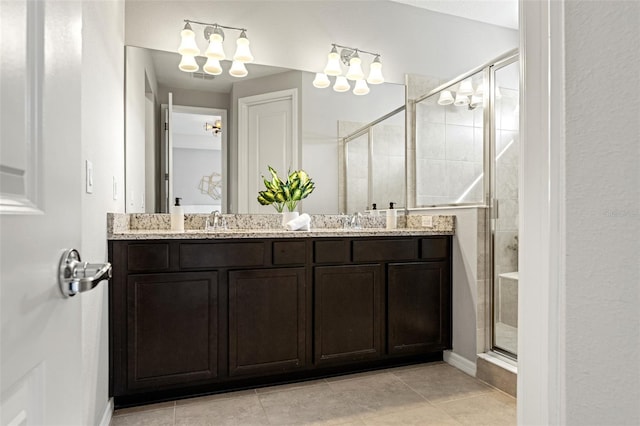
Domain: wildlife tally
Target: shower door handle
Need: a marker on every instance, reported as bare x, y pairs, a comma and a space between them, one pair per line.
75, 276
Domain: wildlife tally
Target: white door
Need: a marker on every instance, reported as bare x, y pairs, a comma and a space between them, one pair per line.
41, 175
267, 136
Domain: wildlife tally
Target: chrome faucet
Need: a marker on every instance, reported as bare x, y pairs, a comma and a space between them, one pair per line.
216, 221
356, 220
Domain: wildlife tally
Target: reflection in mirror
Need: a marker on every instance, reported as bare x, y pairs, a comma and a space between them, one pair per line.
449, 145
151, 75
375, 163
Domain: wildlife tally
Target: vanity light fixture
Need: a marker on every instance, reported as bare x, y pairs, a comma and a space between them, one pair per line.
349, 56
465, 96
215, 51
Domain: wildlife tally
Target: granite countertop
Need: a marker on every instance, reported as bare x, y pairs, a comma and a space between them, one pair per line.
271, 233
157, 226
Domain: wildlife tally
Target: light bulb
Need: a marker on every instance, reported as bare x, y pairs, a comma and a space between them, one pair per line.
333, 63
188, 64
341, 84
212, 67
188, 44
375, 72
238, 69
243, 53
461, 100
321, 81
361, 88
355, 69
466, 88
445, 98
215, 49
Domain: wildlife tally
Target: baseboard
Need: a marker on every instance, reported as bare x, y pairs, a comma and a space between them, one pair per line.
460, 362
108, 413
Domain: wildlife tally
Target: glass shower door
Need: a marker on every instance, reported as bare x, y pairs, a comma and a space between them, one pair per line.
504, 223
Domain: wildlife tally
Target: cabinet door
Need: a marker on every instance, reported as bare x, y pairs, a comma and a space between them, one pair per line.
348, 314
419, 308
266, 321
171, 329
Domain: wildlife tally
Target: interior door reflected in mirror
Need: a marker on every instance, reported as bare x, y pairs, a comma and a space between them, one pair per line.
156, 174
193, 146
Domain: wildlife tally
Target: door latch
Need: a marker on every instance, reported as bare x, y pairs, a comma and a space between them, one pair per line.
75, 276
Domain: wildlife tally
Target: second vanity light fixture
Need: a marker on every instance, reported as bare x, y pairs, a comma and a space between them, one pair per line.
349, 56
215, 52
465, 96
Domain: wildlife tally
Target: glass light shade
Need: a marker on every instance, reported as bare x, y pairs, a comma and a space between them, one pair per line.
361, 88
243, 53
355, 69
461, 100
188, 44
215, 49
476, 101
446, 98
466, 88
375, 72
341, 84
238, 69
321, 81
212, 67
480, 90
188, 64
333, 63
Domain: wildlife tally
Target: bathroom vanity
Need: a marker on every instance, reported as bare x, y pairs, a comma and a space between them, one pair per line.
197, 313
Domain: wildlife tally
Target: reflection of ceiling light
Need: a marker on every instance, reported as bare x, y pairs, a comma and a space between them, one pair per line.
350, 56
446, 98
461, 100
215, 51
466, 88
215, 128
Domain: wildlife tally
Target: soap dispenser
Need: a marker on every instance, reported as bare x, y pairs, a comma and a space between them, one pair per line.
392, 218
177, 217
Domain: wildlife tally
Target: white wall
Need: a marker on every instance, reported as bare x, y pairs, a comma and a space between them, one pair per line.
298, 34
579, 348
102, 127
140, 84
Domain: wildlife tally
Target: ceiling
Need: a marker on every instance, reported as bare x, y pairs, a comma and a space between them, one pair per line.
503, 13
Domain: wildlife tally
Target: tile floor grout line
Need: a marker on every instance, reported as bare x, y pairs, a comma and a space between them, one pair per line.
266, 415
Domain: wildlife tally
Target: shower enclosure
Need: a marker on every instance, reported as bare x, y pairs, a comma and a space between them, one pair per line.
465, 135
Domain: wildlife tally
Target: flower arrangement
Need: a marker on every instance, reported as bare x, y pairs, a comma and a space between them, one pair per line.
297, 187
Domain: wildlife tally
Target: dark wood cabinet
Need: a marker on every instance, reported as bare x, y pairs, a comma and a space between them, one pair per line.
200, 316
418, 307
267, 316
347, 306
171, 329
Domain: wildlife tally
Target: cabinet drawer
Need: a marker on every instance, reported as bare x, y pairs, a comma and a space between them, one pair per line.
147, 257
333, 251
221, 255
434, 248
289, 252
384, 250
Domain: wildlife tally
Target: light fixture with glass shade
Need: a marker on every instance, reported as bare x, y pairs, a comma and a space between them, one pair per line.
475, 102
341, 84
355, 69
243, 53
333, 63
212, 66
375, 72
238, 69
361, 87
446, 98
466, 88
321, 81
349, 56
215, 51
461, 100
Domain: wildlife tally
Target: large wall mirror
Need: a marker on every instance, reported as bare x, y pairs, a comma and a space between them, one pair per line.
209, 157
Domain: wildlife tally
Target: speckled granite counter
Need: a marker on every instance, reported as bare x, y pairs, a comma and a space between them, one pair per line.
157, 226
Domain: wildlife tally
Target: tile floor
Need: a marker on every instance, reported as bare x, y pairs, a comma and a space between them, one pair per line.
425, 394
